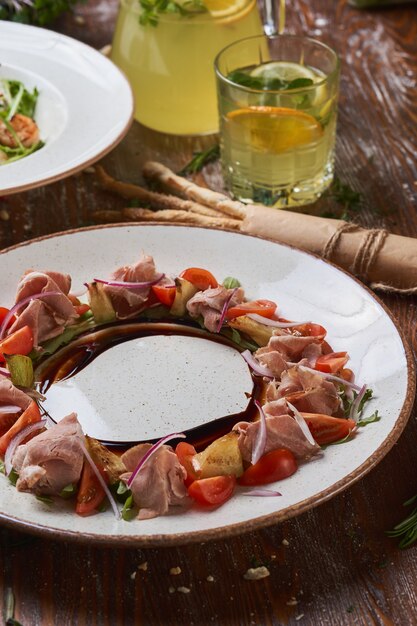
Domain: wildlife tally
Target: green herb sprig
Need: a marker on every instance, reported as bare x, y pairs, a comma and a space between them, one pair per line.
200, 159
38, 12
406, 530
152, 9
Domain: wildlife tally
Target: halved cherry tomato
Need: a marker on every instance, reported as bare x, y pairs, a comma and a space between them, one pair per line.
90, 492
347, 374
3, 313
327, 429
29, 416
165, 294
275, 465
7, 420
332, 362
212, 491
203, 279
82, 308
311, 330
19, 342
265, 308
185, 452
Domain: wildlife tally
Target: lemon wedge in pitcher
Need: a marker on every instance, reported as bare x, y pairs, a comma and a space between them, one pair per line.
225, 8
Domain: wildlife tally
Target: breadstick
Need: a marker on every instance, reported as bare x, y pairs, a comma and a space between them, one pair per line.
151, 198
177, 184
183, 217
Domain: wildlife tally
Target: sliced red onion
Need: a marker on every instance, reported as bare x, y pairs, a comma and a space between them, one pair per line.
331, 377
17, 440
79, 293
224, 310
266, 321
302, 423
5, 372
101, 480
354, 409
130, 285
19, 305
10, 408
260, 443
150, 452
259, 369
263, 493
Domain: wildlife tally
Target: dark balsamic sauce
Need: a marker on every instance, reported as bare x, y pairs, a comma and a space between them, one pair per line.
82, 351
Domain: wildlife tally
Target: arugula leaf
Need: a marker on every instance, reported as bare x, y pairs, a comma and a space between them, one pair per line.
129, 511
69, 333
45, 499
69, 491
375, 417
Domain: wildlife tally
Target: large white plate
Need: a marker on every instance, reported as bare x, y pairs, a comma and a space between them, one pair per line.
84, 109
305, 288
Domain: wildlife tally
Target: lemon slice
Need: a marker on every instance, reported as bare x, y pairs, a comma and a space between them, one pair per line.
288, 71
224, 8
275, 129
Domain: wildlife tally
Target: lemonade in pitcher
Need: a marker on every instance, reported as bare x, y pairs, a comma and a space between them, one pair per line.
168, 56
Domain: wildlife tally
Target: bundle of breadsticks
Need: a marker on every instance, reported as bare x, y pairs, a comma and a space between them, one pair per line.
385, 261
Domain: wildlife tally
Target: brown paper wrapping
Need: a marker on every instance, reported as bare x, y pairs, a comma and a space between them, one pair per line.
392, 267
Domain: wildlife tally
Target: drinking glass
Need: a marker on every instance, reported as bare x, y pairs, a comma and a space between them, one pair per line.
277, 101
168, 58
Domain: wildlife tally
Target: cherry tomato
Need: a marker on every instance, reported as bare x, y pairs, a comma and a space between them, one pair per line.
165, 294
29, 416
332, 362
19, 342
90, 492
212, 491
311, 330
7, 420
82, 308
272, 466
185, 452
265, 308
327, 429
3, 313
203, 279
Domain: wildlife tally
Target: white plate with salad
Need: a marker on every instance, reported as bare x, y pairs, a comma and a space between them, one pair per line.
145, 391
63, 105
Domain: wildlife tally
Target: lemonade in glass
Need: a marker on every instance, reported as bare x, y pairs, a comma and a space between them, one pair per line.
278, 105
168, 57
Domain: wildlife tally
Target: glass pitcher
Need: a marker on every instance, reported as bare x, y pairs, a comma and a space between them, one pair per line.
168, 57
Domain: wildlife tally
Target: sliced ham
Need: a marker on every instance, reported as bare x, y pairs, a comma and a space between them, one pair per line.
52, 460
128, 302
210, 303
11, 395
160, 482
282, 431
308, 392
46, 317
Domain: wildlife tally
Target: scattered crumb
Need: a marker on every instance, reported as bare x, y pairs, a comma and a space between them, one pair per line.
4, 215
106, 50
210, 579
285, 542
298, 617
133, 575
174, 571
183, 589
292, 602
273, 556
79, 19
256, 573
90, 170
171, 589
143, 566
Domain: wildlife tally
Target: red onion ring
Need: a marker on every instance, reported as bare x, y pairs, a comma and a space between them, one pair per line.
259, 369
260, 443
335, 379
19, 305
302, 424
150, 452
17, 439
224, 310
266, 321
263, 493
130, 285
5, 372
101, 480
10, 408
354, 409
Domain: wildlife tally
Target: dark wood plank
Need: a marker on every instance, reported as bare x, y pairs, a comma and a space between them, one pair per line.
336, 561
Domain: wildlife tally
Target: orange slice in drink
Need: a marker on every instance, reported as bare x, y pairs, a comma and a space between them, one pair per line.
275, 129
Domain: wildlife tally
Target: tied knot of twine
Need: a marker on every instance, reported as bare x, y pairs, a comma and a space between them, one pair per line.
367, 252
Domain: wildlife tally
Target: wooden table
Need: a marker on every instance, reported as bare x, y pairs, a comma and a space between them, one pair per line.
333, 565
